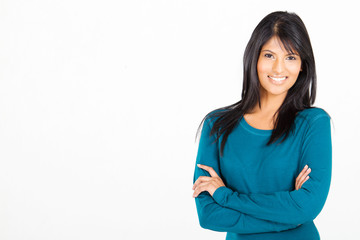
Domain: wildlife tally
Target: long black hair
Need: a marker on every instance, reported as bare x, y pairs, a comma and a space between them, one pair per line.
290, 29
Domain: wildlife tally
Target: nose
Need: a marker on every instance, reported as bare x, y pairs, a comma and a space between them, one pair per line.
278, 66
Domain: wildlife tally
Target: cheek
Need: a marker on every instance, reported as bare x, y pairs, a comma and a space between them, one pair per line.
262, 67
294, 69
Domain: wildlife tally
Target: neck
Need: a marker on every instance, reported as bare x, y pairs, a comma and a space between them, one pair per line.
269, 103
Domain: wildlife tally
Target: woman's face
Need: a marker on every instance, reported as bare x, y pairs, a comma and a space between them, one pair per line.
277, 68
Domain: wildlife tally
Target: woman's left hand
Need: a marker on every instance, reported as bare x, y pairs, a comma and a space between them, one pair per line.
204, 183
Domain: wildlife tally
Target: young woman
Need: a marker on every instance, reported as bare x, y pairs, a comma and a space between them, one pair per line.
263, 166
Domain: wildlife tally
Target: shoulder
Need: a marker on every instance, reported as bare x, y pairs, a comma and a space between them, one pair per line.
313, 119
212, 116
312, 114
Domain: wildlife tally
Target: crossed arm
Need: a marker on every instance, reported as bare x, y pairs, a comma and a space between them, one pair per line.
227, 210
216, 217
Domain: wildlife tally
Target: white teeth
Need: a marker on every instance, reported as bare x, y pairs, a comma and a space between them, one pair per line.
277, 79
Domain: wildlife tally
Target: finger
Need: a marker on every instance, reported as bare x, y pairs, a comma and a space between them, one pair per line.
302, 172
304, 177
301, 179
200, 180
209, 169
200, 188
301, 176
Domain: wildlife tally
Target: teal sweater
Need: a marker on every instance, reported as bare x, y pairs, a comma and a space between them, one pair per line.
259, 200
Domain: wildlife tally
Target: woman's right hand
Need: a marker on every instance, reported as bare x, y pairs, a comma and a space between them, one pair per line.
302, 177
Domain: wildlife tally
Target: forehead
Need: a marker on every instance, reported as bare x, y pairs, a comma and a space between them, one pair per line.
275, 44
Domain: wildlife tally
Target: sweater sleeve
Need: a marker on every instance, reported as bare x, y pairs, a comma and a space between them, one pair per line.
219, 218
298, 206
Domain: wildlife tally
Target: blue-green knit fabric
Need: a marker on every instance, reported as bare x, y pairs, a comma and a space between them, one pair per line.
259, 200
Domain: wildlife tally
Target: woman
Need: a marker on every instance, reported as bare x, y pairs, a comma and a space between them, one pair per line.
272, 177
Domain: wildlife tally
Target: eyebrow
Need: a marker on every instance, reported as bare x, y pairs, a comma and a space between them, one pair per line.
275, 53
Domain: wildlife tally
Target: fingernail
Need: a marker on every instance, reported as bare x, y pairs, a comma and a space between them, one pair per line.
305, 166
199, 165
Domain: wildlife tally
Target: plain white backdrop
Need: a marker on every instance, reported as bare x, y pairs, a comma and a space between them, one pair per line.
100, 102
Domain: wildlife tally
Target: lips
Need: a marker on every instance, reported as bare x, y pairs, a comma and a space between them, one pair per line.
278, 79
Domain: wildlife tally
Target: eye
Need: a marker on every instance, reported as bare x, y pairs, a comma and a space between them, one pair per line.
268, 55
291, 58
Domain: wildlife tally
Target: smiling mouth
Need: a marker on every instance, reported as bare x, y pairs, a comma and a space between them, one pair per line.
278, 79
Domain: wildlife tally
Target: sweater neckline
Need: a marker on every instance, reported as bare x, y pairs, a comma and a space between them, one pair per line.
257, 131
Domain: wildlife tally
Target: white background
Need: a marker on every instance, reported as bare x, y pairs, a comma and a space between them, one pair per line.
100, 102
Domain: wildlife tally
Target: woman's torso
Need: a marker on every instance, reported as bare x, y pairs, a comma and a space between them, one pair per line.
249, 166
